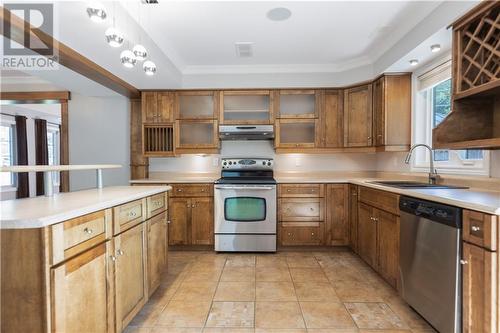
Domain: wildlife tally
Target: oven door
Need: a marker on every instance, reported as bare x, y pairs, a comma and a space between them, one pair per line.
245, 209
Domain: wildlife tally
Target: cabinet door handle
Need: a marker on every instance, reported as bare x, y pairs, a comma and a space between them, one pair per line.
88, 231
463, 262
475, 228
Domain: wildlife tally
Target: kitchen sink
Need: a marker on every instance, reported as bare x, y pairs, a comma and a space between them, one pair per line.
415, 185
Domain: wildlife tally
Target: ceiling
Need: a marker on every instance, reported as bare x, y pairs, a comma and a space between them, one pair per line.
323, 43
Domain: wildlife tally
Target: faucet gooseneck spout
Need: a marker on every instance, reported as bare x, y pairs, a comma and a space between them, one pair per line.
433, 175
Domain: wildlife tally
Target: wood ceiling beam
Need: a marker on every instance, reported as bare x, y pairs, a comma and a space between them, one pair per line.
35, 96
66, 56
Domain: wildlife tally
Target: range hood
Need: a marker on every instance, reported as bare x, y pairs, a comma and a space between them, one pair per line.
246, 132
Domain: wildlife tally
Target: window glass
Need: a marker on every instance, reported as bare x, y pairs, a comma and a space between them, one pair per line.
6, 153
53, 150
245, 209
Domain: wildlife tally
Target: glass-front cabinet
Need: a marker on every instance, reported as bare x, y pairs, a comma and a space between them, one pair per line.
200, 135
196, 105
246, 107
297, 104
296, 133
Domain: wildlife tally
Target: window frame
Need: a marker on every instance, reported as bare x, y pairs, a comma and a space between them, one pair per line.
422, 125
54, 128
6, 120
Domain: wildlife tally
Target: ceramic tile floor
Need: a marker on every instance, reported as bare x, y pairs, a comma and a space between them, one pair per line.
286, 292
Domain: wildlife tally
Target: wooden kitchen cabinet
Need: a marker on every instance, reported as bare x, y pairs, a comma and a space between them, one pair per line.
332, 119
157, 106
367, 235
246, 107
202, 221
297, 104
337, 224
130, 274
180, 215
301, 233
392, 111
479, 289
358, 116
301, 209
157, 234
353, 217
296, 133
196, 136
82, 292
387, 246
196, 105
191, 211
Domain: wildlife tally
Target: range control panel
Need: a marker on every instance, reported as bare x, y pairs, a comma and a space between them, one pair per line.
247, 163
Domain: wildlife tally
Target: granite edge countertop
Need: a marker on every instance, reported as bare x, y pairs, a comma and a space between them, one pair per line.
43, 211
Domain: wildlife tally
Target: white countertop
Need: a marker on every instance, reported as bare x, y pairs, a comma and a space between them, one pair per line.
41, 168
43, 211
487, 201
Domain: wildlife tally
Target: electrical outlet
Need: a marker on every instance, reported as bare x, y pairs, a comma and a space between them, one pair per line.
215, 161
297, 161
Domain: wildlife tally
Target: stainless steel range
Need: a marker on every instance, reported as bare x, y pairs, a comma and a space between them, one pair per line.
245, 206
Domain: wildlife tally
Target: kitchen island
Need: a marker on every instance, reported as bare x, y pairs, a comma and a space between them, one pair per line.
84, 261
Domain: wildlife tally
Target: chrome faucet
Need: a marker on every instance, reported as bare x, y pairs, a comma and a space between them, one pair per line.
433, 175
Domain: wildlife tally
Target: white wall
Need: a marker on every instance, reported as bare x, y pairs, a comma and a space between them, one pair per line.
495, 163
283, 162
99, 133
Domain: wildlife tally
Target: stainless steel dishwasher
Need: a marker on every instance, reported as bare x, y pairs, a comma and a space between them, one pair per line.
429, 261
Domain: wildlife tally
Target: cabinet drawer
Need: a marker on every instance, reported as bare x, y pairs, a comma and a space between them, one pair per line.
191, 190
301, 209
79, 234
304, 233
156, 204
480, 229
128, 215
380, 199
301, 190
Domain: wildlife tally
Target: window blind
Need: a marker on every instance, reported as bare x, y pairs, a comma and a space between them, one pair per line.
432, 77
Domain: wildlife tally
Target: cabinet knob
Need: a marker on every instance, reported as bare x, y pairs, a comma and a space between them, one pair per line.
379, 136
120, 252
88, 231
192, 206
168, 222
288, 190
369, 138
312, 209
312, 233
296, 145
113, 258
475, 228
203, 190
463, 262
179, 190
188, 206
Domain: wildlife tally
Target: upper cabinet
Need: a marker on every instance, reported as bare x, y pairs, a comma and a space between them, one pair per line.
297, 104
358, 116
157, 107
296, 133
332, 119
392, 112
475, 118
196, 105
246, 107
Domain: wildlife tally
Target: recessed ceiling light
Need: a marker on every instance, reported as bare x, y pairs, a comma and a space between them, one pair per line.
279, 14
96, 12
413, 62
435, 48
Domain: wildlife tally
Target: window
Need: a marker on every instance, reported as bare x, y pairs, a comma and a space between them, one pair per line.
7, 150
433, 104
53, 149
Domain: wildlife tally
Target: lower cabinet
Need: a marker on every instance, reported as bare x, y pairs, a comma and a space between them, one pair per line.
480, 284
367, 235
130, 274
337, 223
157, 250
191, 221
80, 292
301, 233
353, 217
378, 240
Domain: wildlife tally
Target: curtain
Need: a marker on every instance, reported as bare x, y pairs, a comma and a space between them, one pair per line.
23, 187
432, 77
41, 152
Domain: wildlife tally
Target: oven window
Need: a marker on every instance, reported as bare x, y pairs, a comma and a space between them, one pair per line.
245, 209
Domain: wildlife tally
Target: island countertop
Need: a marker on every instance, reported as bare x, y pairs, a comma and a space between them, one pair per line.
44, 211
